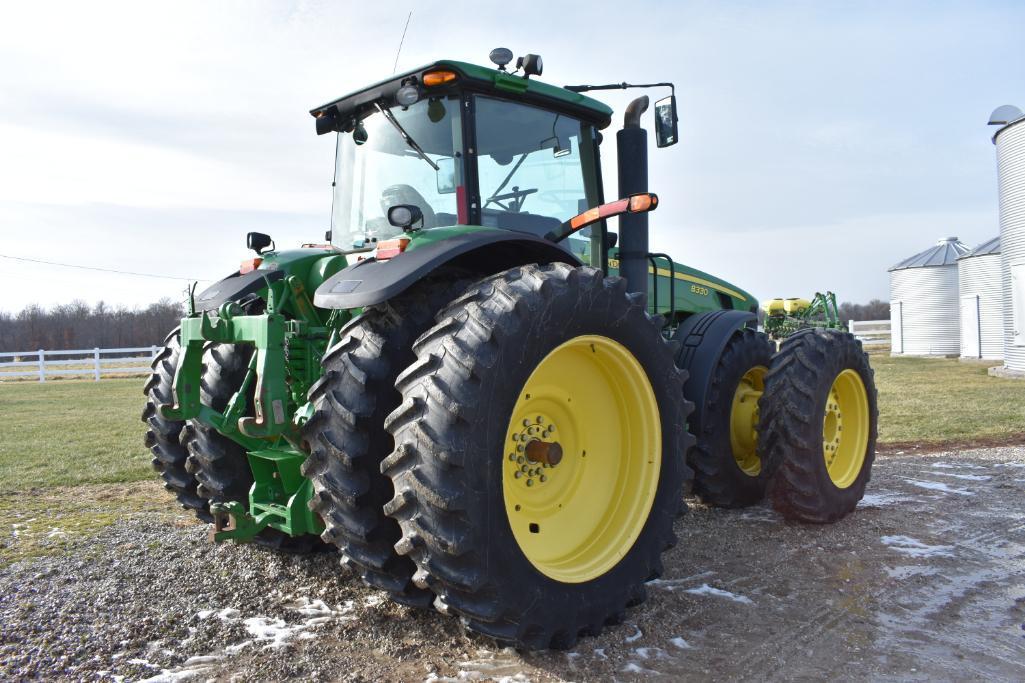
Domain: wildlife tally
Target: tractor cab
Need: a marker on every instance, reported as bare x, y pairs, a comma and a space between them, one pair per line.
463, 145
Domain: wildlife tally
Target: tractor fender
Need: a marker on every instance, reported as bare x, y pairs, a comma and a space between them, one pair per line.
234, 287
703, 337
371, 281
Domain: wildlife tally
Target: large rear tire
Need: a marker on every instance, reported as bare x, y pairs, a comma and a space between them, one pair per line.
727, 467
163, 437
346, 439
818, 428
539, 454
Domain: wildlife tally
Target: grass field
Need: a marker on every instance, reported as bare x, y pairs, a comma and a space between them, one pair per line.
85, 434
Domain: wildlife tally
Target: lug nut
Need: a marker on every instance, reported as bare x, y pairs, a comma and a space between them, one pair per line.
543, 478
530, 482
517, 474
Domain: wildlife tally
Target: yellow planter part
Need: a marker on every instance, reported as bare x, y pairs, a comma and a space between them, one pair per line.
582, 458
845, 428
744, 420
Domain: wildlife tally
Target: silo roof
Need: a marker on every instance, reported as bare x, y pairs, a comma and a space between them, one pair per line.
944, 253
988, 247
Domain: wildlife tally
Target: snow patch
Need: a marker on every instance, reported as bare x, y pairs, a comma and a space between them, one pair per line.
915, 548
705, 589
680, 643
880, 499
967, 477
226, 614
635, 668
957, 466
938, 486
635, 637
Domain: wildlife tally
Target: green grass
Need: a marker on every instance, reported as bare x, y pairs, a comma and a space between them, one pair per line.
72, 432
69, 450
934, 400
83, 432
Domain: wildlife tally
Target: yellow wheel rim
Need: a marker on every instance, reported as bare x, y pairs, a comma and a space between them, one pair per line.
582, 458
744, 420
845, 427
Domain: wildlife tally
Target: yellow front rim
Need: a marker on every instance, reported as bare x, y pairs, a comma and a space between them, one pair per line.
589, 407
744, 420
845, 428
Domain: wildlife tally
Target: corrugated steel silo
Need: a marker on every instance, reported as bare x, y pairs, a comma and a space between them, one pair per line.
982, 302
1010, 144
924, 308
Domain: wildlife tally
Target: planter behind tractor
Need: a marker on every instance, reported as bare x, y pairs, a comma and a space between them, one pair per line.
486, 400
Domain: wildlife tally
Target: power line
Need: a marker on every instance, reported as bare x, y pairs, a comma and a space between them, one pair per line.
103, 270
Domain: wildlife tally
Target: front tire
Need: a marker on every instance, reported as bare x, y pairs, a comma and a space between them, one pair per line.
727, 467
346, 439
163, 437
568, 366
221, 466
819, 421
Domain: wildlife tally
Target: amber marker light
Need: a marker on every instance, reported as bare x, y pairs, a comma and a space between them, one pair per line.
638, 203
436, 78
387, 249
249, 265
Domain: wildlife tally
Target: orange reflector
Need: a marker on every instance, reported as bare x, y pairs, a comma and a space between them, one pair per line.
638, 203
642, 202
439, 78
387, 249
250, 265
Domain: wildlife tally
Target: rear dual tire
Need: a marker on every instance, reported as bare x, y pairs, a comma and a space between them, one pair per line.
457, 500
818, 428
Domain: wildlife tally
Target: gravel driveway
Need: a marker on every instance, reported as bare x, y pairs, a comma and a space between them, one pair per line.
925, 581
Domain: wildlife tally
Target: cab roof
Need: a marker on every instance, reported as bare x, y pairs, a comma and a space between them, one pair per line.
476, 78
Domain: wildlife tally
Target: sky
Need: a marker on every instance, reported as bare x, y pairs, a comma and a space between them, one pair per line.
821, 142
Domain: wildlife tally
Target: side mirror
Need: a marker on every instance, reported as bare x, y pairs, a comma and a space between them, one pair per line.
405, 215
258, 242
666, 128
446, 175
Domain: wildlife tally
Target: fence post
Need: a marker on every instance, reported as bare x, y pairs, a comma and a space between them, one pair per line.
96, 362
42, 365
850, 326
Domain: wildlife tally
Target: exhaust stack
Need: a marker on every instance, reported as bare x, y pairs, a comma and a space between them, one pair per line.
632, 148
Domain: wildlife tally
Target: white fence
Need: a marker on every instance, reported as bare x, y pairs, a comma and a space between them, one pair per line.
95, 362
871, 332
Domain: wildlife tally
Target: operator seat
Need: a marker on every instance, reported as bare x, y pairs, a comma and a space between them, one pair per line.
407, 194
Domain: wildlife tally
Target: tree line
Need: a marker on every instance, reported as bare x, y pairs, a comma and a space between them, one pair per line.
80, 326
873, 310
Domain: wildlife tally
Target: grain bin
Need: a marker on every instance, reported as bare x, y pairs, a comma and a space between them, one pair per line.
982, 302
924, 315
1010, 144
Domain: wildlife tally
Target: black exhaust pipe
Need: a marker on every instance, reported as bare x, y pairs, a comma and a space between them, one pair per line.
632, 148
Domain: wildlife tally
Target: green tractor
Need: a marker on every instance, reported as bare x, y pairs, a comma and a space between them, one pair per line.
487, 401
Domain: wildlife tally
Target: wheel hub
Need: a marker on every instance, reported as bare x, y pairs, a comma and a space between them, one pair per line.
845, 427
582, 458
744, 416
532, 456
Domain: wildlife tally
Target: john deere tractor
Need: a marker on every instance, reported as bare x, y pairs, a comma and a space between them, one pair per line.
488, 401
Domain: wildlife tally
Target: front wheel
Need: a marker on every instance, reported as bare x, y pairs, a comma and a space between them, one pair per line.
818, 426
539, 454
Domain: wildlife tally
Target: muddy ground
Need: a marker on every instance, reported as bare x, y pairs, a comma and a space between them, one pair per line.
925, 581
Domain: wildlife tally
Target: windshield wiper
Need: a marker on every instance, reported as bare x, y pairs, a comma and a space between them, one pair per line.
405, 136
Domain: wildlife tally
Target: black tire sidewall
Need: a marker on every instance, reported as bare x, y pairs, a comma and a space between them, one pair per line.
562, 318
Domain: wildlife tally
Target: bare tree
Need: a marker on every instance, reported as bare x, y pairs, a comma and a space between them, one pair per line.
77, 326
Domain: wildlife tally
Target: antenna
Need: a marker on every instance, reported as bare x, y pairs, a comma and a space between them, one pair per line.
401, 40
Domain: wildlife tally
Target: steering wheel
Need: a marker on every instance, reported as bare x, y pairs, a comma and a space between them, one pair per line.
517, 195
394, 195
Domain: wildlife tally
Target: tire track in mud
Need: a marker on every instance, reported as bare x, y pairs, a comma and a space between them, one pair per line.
889, 600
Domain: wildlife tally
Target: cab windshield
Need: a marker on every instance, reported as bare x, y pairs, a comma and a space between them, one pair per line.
535, 168
376, 168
